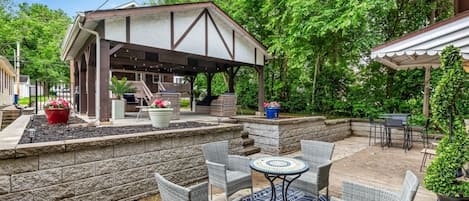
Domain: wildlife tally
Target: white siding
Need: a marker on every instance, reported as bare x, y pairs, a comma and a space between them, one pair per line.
194, 42
216, 48
115, 29
151, 30
155, 31
244, 50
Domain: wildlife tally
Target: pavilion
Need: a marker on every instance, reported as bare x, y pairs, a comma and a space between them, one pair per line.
422, 49
181, 39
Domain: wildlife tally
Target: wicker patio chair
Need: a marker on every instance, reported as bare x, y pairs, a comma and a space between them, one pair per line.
172, 192
228, 172
359, 192
318, 155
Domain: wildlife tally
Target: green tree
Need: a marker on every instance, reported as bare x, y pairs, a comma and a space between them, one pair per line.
40, 31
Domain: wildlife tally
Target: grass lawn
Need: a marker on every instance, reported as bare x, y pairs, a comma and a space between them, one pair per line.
25, 101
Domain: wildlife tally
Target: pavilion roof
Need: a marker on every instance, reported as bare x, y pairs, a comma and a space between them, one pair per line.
423, 47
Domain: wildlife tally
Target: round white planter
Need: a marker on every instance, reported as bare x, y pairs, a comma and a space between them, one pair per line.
160, 117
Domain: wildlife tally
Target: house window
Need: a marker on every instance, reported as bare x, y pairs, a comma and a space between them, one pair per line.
156, 78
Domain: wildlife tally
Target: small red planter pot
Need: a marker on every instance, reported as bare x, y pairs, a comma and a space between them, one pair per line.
57, 115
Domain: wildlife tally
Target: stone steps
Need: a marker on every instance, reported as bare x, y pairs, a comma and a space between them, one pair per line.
248, 145
9, 114
251, 150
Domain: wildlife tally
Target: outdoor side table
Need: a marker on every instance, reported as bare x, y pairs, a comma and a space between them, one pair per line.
279, 168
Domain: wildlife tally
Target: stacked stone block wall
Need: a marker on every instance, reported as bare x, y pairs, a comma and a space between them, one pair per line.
361, 127
118, 167
278, 137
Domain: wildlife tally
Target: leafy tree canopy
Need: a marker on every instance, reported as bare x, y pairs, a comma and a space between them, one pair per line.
40, 31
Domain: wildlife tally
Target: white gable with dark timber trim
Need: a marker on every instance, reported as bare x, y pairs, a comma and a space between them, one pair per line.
198, 31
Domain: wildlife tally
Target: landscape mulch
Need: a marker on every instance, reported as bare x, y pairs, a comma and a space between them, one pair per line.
76, 128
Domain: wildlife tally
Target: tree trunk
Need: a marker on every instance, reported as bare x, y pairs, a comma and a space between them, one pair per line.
316, 72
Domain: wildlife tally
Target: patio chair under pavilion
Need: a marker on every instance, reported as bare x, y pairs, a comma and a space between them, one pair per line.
422, 49
156, 41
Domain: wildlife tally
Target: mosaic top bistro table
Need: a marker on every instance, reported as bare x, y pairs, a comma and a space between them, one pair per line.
279, 168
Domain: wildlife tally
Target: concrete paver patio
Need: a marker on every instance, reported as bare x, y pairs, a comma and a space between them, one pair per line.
355, 161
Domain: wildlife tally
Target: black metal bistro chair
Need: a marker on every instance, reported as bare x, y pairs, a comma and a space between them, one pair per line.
374, 126
389, 124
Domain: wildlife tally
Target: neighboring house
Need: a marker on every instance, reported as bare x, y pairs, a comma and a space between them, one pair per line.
24, 86
7, 78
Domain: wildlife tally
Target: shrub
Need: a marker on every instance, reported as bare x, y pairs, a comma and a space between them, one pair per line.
453, 149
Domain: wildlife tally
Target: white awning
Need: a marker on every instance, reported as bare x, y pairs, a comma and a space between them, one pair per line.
422, 48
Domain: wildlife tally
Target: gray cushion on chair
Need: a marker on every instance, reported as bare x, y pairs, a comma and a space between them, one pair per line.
229, 172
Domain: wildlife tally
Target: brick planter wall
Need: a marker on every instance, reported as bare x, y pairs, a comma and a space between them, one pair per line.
282, 136
108, 168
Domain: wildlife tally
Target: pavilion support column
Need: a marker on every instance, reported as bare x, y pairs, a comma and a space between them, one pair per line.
426, 98
231, 78
105, 66
91, 83
191, 82
72, 78
260, 95
82, 90
209, 83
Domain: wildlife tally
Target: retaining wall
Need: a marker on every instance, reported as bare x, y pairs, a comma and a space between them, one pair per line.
117, 167
361, 127
277, 137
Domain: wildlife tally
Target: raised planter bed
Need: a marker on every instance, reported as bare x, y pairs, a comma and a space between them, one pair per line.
283, 135
78, 129
120, 166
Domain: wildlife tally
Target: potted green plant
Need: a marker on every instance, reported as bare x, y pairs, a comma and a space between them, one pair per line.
118, 88
160, 113
453, 149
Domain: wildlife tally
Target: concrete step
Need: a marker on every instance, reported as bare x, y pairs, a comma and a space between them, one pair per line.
248, 142
9, 114
244, 134
250, 150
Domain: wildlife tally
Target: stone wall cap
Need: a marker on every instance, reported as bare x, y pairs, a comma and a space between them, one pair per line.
282, 121
336, 121
34, 149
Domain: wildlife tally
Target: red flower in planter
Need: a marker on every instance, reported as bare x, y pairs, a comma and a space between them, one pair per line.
58, 103
273, 104
57, 111
160, 103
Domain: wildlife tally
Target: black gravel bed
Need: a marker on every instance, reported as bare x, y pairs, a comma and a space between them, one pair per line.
78, 129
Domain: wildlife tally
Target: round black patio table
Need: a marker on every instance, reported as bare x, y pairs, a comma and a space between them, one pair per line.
276, 167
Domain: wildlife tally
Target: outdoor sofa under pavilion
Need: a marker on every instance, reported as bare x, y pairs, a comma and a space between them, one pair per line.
181, 39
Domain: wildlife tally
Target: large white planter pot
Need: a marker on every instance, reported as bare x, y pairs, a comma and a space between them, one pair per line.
118, 109
160, 117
